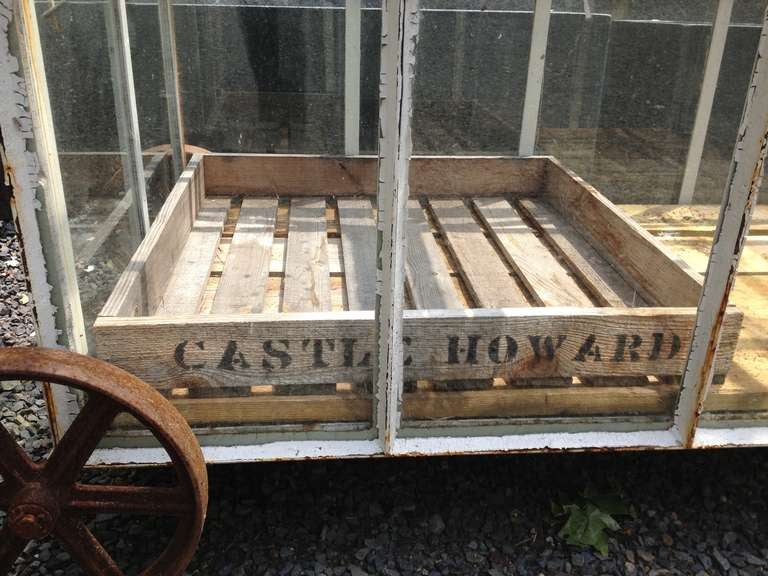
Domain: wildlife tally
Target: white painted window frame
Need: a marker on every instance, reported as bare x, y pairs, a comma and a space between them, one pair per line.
399, 36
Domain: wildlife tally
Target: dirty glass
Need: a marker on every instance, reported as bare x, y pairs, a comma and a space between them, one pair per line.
535, 295
621, 86
97, 170
471, 81
735, 70
251, 297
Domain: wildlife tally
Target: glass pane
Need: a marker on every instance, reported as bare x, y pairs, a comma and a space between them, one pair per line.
741, 393
533, 300
470, 86
252, 296
732, 84
96, 167
621, 86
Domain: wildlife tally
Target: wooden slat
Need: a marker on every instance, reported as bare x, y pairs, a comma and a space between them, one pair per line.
542, 273
539, 402
426, 405
606, 284
264, 408
486, 275
305, 175
358, 245
143, 283
232, 350
189, 277
429, 279
650, 266
307, 281
243, 281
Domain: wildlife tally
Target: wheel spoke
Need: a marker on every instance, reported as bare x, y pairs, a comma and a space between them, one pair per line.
77, 445
11, 547
6, 493
15, 465
129, 500
84, 548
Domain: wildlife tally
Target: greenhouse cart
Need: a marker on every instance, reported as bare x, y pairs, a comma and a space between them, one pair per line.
302, 284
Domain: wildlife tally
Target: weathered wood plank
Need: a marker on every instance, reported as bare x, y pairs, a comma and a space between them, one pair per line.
304, 175
427, 405
650, 266
426, 271
307, 280
143, 282
606, 284
244, 278
543, 275
540, 402
486, 275
358, 246
188, 279
242, 350
265, 408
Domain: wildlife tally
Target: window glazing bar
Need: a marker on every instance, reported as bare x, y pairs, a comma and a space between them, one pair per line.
706, 100
352, 17
127, 115
30, 155
172, 89
399, 33
535, 82
739, 199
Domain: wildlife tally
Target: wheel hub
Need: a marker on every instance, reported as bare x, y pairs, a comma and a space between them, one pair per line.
33, 513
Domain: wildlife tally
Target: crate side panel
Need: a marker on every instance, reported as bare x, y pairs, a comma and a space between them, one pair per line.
304, 175
661, 277
143, 282
292, 349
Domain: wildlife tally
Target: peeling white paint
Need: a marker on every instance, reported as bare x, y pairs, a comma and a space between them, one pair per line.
22, 173
285, 450
399, 36
27, 128
535, 442
739, 200
725, 437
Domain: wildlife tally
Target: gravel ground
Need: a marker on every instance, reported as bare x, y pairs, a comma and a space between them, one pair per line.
692, 513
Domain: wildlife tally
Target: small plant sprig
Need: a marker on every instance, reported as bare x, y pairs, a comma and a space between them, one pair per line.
590, 517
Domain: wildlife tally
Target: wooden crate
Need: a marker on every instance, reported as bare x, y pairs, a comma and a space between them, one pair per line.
529, 295
688, 230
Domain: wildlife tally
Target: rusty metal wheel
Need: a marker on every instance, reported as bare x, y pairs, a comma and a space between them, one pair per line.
46, 498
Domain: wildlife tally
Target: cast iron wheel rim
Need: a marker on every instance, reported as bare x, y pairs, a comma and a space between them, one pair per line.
45, 498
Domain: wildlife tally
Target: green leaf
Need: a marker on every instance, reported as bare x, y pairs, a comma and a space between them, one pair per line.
590, 519
574, 527
601, 544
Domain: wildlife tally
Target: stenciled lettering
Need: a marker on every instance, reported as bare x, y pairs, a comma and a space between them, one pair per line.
180, 352
348, 351
233, 357
282, 355
454, 350
589, 348
510, 349
622, 348
550, 346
